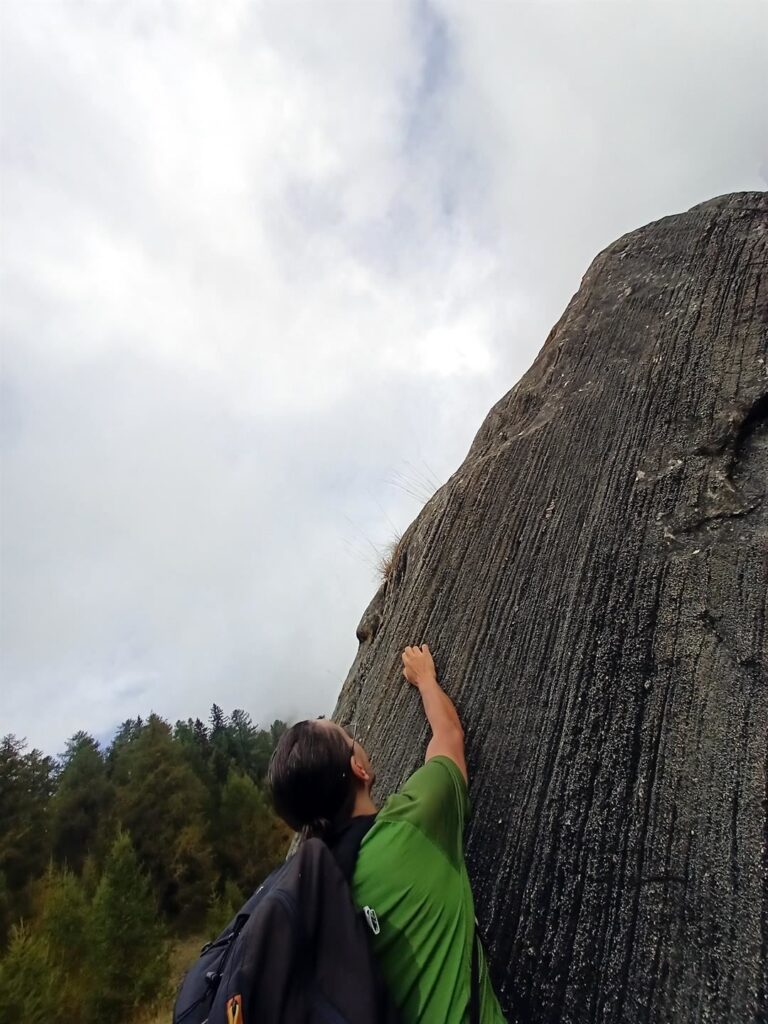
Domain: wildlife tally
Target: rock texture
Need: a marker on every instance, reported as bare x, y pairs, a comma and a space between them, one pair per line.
593, 581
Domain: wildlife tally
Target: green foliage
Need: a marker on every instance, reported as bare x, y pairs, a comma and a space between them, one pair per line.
82, 806
28, 984
90, 875
127, 950
222, 907
237, 742
129, 731
63, 926
26, 783
250, 840
6, 908
192, 737
163, 805
64, 915
192, 872
195, 834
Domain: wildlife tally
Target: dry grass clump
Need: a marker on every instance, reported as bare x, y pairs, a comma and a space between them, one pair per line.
388, 558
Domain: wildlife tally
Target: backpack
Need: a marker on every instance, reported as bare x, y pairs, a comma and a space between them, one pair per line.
297, 952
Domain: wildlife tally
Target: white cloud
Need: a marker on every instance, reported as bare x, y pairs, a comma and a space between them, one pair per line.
265, 268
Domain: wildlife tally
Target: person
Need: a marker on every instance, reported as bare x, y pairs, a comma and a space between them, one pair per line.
410, 867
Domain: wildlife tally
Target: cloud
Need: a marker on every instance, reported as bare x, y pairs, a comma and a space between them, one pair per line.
265, 269
596, 118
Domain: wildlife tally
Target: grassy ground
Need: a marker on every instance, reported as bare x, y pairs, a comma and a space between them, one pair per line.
183, 953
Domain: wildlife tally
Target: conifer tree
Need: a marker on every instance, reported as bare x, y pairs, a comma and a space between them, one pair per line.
164, 807
26, 782
27, 982
128, 957
82, 806
63, 927
250, 839
221, 753
192, 736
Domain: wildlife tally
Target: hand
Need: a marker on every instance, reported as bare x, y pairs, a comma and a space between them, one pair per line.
418, 666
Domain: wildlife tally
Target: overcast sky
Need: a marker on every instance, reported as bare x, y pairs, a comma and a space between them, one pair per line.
265, 268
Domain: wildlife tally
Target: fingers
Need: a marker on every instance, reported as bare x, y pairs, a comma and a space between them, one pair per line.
410, 658
416, 649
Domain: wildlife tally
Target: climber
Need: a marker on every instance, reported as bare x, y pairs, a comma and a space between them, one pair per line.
410, 868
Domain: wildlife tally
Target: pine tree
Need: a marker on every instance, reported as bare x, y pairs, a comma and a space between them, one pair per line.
200, 733
128, 956
243, 739
28, 985
276, 730
250, 839
192, 872
221, 753
82, 805
218, 720
128, 731
64, 915
192, 736
63, 926
26, 783
164, 807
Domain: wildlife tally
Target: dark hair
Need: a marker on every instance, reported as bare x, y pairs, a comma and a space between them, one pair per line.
311, 780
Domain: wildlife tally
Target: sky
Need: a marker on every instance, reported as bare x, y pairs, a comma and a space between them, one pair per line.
265, 268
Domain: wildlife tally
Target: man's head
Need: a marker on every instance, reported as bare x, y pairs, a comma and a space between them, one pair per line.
317, 775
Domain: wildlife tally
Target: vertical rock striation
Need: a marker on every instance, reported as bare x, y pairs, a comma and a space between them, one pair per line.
593, 581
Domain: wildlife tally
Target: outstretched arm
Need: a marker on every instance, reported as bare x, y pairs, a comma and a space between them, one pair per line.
447, 733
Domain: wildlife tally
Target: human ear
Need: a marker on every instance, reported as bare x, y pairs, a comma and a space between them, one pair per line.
358, 770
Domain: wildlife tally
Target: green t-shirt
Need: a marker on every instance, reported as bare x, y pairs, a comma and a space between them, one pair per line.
411, 872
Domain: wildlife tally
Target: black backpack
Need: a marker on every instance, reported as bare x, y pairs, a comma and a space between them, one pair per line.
298, 951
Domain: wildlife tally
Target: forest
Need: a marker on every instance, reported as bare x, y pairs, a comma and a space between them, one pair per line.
112, 858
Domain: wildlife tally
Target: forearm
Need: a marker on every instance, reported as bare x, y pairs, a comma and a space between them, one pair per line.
439, 708
447, 733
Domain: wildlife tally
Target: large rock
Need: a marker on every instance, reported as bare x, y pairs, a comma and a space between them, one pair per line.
593, 581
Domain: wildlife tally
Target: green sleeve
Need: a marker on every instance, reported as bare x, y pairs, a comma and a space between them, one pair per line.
436, 801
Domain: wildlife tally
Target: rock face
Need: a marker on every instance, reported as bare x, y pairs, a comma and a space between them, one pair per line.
593, 581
